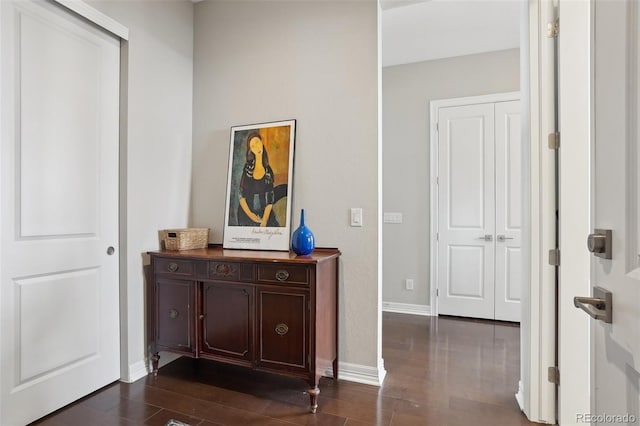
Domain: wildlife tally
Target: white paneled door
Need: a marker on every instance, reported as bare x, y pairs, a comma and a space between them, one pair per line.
508, 256
59, 303
478, 235
466, 210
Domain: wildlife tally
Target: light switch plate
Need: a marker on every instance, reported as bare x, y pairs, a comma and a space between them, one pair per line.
408, 284
356, 216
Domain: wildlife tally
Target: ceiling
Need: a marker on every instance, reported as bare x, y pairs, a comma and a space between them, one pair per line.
421, 30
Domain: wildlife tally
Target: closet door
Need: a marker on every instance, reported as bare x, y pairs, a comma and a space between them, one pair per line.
466, 216
479, 207
508, 210
59, 289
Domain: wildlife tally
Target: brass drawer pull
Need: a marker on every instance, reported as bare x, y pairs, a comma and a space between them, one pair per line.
173, 314
282, 275
172, 267
222, 269
282, 329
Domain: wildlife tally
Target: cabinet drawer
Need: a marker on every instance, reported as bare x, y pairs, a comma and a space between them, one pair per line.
174, 266
283, 274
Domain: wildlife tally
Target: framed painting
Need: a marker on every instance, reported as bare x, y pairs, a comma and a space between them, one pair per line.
259, 183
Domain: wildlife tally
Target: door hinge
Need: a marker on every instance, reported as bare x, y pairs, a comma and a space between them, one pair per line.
437, 236
554, 257
553, 28
437, 292
553, 374
437, 126
554, 140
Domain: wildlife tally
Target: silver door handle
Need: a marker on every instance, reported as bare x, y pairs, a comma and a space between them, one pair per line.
599, 306
487, 237
503, 238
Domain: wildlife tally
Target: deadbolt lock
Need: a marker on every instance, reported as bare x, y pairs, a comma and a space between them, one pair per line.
599, 243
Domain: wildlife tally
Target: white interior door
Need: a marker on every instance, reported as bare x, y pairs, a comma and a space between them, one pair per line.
508, 281
615, 378
479, 206
466, 216
59, 329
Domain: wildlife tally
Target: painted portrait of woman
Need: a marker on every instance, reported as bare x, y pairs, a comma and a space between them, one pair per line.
259, 181
257, 193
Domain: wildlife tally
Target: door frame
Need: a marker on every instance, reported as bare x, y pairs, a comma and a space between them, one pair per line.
434, 106
575, 184
103, 21
536, 395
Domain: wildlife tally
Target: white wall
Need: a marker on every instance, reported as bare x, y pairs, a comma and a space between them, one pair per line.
156, 154
316, 62
406, 93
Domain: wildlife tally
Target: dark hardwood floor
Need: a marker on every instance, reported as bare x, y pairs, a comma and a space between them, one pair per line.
440, 371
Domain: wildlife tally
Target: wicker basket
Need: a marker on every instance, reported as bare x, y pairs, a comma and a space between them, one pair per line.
185, 239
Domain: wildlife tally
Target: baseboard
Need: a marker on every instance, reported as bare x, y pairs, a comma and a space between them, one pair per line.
360, 373
136, 372
346, 371
167, 357
520, 396
406, 308
141, 368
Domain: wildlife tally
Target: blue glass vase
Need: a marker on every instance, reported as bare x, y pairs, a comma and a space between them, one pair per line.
302, 241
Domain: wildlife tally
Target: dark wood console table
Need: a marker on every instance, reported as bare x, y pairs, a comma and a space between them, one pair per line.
270, 311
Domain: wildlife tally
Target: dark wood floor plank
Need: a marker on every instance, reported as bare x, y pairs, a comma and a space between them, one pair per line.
300, 415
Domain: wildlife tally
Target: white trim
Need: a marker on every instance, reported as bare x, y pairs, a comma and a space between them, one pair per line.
406, 308
434, 106
136, 372
167, 357
475, 100
360, 373
576, 87
520, 396
97, 17
433, 204
538, 324
142, 368
346, 371
381, 372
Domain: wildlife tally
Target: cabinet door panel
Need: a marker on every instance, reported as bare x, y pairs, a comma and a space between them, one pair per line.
227, 325
283, 329
174, 315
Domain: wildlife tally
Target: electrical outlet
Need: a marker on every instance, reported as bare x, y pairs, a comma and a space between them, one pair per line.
408, 284
392, 217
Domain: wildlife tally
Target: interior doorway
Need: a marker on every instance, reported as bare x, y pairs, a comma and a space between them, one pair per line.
406, 275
